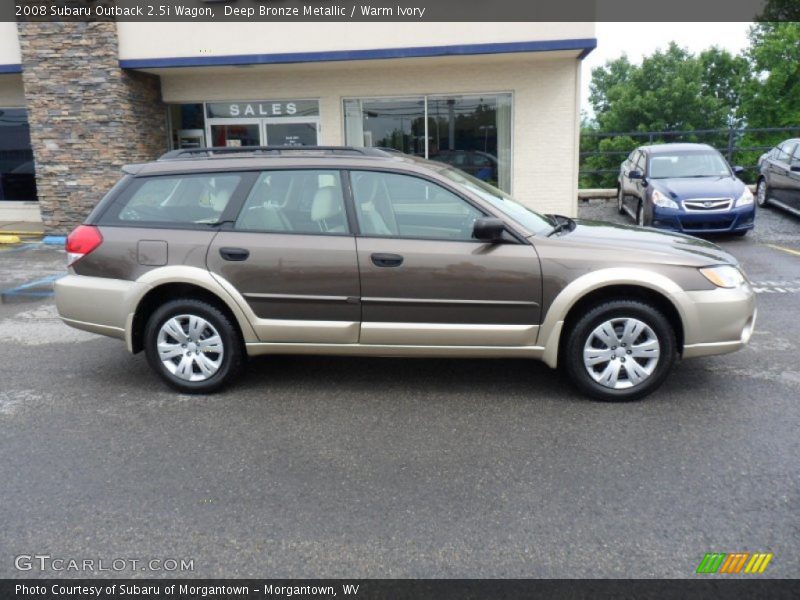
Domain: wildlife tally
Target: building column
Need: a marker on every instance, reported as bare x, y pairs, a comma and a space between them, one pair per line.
87, 116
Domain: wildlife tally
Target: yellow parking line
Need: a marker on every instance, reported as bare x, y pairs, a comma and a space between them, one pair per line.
782, 249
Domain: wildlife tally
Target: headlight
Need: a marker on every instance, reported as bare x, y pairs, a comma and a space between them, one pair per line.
661, 200
724, 276
746, 197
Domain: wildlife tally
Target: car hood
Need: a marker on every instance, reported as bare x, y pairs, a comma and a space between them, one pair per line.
686, 188
647, 245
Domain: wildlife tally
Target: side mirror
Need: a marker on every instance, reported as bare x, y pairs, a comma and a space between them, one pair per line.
488, 229
738, 170
795, 167
635, 175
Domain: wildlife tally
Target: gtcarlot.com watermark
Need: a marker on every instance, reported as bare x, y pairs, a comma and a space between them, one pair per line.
60, 564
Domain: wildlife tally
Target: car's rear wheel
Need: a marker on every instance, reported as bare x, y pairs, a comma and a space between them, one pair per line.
619, 351
762, 193
193, 346
620, 201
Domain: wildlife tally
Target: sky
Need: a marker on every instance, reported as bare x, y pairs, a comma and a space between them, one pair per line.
642, 39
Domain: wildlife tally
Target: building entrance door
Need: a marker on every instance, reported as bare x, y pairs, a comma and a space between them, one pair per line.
224, 132
292, 132
299, 131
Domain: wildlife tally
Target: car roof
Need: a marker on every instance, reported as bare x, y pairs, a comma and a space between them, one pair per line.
199, 160
678, 147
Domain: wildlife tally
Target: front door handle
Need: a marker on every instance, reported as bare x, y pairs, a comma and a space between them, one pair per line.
234, 254
387, 260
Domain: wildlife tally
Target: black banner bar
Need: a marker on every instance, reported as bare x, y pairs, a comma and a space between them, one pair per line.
400, 10
384, 589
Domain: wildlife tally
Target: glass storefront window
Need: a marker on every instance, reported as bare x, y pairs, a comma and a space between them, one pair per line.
470, 132
188, 125
397, 123
17, 174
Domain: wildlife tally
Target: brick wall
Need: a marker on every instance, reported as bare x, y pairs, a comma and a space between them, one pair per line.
87, 116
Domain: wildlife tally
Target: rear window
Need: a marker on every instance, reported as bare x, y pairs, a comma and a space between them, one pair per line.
180, 200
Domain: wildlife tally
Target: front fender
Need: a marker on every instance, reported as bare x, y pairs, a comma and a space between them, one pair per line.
550, 331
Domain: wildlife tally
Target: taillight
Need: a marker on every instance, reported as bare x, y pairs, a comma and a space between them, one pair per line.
82, 240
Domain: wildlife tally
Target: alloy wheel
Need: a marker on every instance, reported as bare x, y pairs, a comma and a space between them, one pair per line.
761, 193
621, 353
190, 347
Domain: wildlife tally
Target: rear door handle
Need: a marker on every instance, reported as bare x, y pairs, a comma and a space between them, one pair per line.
234, 254
387, 260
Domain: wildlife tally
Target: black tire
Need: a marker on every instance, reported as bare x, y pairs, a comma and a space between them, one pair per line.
620, 205
578, 336
640, 218
232, 355
762, 199
741, 233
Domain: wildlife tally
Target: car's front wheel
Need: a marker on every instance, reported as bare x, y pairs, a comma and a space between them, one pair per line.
620, 350
762, 193
193, 346
640, 218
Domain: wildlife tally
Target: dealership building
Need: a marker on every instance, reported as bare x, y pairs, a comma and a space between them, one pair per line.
79, 100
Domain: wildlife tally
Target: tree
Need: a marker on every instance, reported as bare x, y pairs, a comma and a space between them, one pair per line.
671, 90
772, 96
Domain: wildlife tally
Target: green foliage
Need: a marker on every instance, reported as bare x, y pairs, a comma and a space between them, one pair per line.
675, 90
772, 97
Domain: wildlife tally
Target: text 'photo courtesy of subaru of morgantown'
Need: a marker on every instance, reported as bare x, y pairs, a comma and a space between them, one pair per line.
688, 188
208, 256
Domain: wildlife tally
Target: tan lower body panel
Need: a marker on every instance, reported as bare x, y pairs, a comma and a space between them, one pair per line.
695, 350
114, 332
256, 349
447, 334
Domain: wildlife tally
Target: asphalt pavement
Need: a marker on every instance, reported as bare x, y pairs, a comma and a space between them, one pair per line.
354, 467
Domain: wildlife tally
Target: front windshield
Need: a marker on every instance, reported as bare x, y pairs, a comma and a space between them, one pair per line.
688, 164
529, 219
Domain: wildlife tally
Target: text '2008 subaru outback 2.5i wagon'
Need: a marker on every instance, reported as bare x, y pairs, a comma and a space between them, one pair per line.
208, 256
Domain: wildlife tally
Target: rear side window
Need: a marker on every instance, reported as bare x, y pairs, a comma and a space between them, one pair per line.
180, 200
308, 201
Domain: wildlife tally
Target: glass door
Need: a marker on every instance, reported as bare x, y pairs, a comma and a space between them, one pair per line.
224, 133
292, 132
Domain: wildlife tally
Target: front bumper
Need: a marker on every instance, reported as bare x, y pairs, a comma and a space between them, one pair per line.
729, 221
718, 321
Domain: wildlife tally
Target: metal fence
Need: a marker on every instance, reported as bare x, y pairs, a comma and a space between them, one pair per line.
740, 146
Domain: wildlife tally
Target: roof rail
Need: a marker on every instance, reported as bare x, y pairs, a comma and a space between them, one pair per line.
233, 151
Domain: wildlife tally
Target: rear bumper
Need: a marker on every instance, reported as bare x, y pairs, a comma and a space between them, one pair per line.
731, 221
96, 304
718, 321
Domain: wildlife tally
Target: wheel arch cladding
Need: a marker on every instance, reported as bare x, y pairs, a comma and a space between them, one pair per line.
623, 292
173, 291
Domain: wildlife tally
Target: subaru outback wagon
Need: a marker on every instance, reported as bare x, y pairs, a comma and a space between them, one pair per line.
208, 256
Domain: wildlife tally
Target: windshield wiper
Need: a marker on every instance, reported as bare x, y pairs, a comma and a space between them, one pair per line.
562, 223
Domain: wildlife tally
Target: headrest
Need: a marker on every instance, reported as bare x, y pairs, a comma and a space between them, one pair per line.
327, 203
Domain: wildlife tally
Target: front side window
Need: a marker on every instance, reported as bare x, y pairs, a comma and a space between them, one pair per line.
530, 219
296, 201
404, 206
179, 200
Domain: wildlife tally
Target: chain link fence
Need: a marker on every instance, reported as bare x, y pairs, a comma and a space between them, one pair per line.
602, 153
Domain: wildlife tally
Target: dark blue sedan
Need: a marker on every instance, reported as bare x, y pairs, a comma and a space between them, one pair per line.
684, 187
